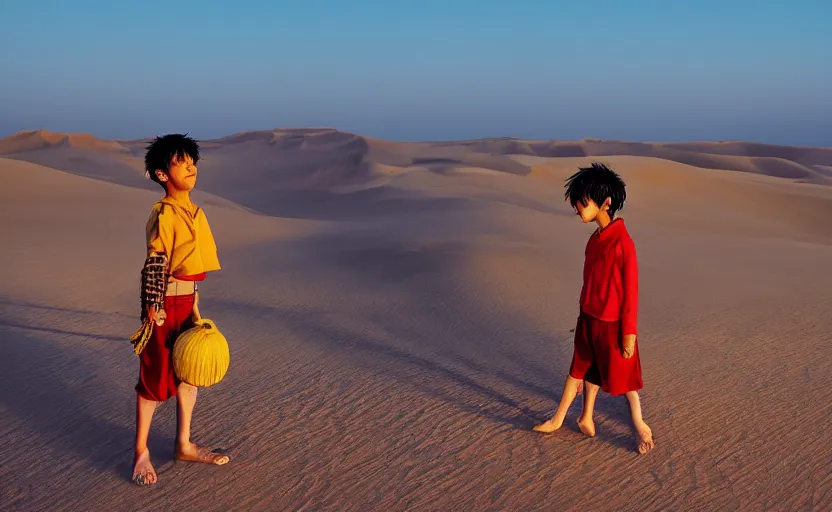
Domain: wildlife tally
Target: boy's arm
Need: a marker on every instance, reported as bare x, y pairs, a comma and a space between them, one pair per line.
160, 233
156, 266
629, 303
154, 286
195, 315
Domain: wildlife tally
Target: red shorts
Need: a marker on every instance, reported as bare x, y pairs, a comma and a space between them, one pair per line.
157, 380
598, 357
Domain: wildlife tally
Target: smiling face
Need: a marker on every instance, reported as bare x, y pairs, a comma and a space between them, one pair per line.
181, 175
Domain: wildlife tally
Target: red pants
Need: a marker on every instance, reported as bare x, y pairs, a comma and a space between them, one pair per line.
598, 357
157, 380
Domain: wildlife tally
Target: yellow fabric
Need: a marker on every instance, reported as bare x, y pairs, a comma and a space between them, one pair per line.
200, 355
182, 232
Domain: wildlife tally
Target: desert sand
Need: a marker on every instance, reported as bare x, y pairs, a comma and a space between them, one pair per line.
399, 317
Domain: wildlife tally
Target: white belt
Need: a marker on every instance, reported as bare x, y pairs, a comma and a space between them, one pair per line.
177, 287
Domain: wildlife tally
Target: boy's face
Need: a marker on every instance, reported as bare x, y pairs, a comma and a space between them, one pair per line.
181, 175
588, 210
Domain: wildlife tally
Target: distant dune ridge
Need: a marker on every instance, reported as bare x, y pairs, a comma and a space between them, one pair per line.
316, 157
399, 317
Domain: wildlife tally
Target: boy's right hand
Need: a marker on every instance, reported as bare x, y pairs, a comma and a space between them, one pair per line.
629, 345
158, 319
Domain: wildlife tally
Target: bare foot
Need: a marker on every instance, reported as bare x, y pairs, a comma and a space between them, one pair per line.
548, 427
143, 472
194, 453
645, 438
587, 426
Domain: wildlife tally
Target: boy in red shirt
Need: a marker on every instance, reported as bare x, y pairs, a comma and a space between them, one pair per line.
606, 346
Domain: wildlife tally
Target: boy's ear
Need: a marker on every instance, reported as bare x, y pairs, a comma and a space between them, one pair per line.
607, 203
161, 175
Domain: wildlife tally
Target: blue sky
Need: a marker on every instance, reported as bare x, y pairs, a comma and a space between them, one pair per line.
422, 70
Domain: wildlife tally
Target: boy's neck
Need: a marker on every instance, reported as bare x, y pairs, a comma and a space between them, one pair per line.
180, 196
603, 220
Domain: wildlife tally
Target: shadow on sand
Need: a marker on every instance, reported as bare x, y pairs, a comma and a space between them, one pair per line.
433, 336
60, 393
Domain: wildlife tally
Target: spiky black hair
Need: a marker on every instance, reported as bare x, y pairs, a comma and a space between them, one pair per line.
163, 149
597, 182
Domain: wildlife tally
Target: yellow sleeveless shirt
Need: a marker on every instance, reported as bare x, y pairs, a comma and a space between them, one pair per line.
182, 232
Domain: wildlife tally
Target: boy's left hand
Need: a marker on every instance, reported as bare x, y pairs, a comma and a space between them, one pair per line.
629, 345
195, 311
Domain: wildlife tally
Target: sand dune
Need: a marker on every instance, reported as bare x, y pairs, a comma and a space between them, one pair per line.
399, 317
800, 154
778, 167
782, 161
81, 154
826, 170
323, 158
30, 140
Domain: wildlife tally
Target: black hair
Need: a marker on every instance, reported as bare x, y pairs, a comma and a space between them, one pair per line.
163, 149
597, 182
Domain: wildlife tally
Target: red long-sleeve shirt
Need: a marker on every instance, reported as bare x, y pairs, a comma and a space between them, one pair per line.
610, 289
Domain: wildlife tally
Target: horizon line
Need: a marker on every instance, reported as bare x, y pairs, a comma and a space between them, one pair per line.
586, 139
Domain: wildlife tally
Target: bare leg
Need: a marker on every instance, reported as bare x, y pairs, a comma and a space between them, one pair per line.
570, 391
644, 436
586, 424
185, 449
143, 472
185, 403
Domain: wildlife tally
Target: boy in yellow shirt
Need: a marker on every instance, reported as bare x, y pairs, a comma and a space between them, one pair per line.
180, 250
